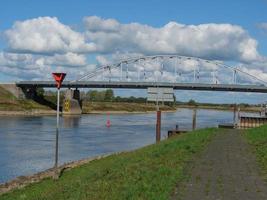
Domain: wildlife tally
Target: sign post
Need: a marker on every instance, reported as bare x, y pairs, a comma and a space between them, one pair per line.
59, 77
159, 94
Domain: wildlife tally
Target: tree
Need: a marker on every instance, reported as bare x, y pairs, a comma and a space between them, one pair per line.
192, 102
92, 94
40, 92
109, 95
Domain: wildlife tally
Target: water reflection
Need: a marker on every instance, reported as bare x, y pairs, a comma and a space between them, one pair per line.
27, 143
71, 121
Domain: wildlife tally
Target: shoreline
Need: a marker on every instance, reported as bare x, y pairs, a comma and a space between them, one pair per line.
28, 113
22, 181
53, 112
250, 110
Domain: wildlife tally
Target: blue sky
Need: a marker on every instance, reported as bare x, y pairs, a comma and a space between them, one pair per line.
250, 15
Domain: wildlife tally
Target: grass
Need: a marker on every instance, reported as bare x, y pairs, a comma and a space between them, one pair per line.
121, 106
151, 172
257, 137
8, 102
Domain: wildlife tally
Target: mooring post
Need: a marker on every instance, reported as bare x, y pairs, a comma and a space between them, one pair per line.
194, 122
234, 117
158, 126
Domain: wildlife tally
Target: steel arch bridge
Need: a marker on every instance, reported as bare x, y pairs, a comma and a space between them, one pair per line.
176, 71
152, 69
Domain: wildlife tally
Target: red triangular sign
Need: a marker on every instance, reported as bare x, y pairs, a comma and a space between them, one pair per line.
59, 77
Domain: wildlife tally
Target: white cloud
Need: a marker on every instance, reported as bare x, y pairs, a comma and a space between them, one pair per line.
28, 66
102, 60
263, 26
44, 44
95, 23
213, 41
45, 35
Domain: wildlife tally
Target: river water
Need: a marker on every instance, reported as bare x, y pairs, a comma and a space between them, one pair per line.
27, 143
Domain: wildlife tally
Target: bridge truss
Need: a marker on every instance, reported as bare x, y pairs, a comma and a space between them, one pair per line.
172, 69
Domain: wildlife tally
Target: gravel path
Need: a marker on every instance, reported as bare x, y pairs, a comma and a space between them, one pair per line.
227, 170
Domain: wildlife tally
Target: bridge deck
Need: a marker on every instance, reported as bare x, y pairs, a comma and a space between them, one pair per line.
145, 85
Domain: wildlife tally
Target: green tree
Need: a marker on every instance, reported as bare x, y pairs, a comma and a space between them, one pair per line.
109, 95
192, 102
92, 95
40, 92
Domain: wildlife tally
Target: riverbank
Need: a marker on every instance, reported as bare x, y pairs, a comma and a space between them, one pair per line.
222, 107
122, 107
10, 105
147, 173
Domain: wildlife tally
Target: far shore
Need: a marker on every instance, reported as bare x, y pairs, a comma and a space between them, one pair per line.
39, 112
216, 107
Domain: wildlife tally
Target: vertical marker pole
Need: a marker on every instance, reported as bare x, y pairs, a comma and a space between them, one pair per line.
59, 77
158, 126
194, 121
56, 175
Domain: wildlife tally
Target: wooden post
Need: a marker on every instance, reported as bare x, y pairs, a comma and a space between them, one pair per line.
158, 126
194, 121
234, 117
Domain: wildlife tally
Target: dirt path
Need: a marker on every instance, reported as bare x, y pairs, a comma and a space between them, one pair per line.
227, 170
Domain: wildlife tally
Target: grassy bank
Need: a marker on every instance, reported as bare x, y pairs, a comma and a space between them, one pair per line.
221, 107
8, 102
257, 137
148, 173
89, 107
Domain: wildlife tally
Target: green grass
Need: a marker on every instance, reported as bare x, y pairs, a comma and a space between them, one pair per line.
257, 137
8, 102
121, 106
151, 172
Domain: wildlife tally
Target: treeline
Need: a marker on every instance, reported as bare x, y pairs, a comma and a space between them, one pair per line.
108, 95
192, 102
96, 96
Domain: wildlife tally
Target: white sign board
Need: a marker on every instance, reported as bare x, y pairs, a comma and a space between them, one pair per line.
160, 94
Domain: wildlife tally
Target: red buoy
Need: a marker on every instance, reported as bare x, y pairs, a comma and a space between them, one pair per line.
108, 124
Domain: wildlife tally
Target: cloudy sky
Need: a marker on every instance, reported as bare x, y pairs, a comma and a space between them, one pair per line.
38, 37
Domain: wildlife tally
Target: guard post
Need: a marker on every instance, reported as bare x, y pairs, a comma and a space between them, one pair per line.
59, 77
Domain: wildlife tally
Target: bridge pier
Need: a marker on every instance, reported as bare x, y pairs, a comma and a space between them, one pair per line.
72, 102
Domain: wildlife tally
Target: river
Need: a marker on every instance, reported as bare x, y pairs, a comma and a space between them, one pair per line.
27, 143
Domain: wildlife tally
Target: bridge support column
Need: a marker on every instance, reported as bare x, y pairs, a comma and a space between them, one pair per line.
72, 103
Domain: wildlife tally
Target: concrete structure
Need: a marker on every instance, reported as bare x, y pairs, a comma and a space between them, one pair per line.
72, 103
18, 92
251, 122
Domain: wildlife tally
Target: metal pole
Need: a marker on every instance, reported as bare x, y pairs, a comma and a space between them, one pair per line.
157, 100
175, 72
121, 71
57, 133
194, 75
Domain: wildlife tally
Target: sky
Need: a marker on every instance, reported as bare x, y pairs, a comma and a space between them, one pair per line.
38, 37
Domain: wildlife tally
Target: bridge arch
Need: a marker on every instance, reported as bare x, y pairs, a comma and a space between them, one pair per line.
171, 68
